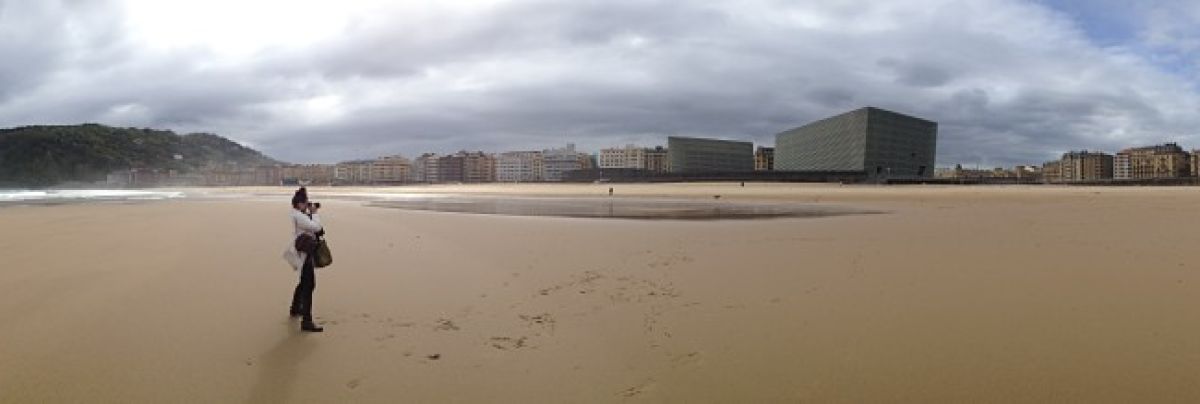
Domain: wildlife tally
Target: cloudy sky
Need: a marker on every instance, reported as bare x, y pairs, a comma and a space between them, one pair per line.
1010, 81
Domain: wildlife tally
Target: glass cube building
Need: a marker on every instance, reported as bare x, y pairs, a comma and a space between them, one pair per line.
697, 155
880, 143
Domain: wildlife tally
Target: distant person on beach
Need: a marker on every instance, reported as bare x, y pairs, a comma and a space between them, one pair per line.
299, 253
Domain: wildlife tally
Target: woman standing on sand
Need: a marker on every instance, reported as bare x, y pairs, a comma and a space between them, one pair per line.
299, 253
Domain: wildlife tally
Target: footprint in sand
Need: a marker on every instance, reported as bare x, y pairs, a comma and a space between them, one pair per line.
585, 282
668, 261
508, 343
640, 388
353, 384
650, 320
405, 324
445, 325
544, 320
688, 359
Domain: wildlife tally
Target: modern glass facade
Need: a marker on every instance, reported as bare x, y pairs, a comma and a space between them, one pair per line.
878, 142
695, 155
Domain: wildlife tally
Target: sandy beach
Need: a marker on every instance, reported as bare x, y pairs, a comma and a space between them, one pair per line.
951, 294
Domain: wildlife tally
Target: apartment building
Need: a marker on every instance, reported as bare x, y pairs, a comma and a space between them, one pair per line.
1158, 161
1086, 166
556, 162
519, 166
764, 159
629, 156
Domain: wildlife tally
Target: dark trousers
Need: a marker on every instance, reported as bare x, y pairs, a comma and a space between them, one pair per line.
303, 296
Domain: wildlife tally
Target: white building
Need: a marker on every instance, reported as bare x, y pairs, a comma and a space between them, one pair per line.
425, 168
1122, 168
556, 162
519, 166
390, 169
629, 156
353, 172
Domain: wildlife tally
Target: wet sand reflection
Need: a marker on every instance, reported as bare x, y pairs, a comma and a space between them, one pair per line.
618, 208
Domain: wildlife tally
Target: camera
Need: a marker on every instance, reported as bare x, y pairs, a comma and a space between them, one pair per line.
315, 204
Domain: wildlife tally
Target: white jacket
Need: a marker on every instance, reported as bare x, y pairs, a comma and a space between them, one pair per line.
302, 224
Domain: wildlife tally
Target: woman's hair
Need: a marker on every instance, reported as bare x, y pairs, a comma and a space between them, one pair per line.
301, 196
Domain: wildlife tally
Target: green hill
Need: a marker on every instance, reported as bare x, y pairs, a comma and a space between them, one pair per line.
49, 155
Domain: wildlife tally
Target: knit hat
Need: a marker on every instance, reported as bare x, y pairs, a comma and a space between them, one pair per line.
301, 196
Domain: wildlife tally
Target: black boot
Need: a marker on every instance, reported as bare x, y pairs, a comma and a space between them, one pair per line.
310, 327
294, 312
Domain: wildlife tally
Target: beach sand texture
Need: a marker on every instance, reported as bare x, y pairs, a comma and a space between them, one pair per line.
969, 294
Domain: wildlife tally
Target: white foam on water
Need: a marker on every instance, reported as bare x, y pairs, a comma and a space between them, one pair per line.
85, 195
21, 195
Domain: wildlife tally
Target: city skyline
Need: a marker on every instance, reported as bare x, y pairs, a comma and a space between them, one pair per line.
1010, 81
597, 153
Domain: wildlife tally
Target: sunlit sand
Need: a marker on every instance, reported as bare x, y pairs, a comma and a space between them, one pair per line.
944, 294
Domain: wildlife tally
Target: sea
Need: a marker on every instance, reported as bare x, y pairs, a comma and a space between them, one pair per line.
28, 196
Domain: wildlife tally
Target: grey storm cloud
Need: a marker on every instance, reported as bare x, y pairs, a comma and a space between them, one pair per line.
1010, 81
